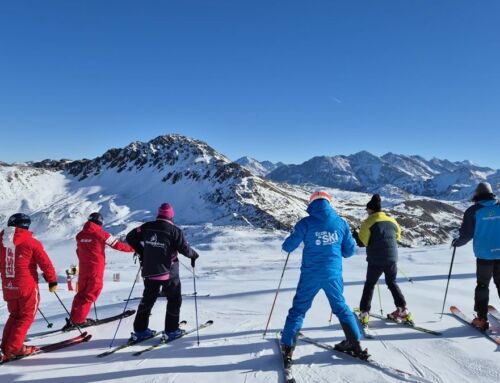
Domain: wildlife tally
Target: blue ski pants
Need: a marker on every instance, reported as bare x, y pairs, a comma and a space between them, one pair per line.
307, 289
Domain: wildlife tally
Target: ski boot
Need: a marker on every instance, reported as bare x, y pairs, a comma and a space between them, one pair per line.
88, 322
364, 317
287, 352
68, 326
138, 336
352, 348
24, 351
401, 315
480, 323
27, 350
171, 335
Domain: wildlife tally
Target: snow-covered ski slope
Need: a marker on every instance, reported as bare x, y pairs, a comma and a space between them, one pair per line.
240, 268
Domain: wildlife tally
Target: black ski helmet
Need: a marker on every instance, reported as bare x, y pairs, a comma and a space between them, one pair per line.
19, 220
96, 218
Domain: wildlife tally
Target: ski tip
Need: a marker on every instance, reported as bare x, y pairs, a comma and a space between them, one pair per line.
209, 322
453, 308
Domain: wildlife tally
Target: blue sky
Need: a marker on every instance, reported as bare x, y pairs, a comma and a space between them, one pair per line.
277, 80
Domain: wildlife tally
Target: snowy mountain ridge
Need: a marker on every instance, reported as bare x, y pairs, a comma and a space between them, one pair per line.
363, 171
259, 168
205, 187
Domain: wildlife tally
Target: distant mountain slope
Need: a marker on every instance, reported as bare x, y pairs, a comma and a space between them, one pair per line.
366, 172
257, 167
128, 184
131, 182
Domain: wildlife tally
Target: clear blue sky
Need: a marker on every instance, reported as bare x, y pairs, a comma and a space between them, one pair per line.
278, 80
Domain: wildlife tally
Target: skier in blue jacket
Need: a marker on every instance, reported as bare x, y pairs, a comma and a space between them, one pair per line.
327, 239
482, 224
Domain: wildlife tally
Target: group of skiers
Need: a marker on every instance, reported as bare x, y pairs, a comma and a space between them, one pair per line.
157, 244
327, 239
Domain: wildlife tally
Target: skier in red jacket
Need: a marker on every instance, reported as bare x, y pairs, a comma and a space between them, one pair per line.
91, 242
20, 255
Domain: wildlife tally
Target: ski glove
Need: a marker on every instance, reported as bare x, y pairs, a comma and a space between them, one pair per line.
194, 257
52, 287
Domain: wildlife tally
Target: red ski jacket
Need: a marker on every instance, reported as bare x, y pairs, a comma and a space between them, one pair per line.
20, 255
90, 245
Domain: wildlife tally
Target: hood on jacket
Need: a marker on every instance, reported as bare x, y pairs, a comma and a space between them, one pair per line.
320, 209
14, 236
488, 202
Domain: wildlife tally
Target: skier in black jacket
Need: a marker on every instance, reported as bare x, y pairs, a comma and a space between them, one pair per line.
158, 243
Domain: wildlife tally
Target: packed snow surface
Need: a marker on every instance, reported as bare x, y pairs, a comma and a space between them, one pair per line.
240, 269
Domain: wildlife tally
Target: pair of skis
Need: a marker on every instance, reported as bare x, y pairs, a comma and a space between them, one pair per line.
84, 337
44, 334
157, 345
370, 335
492, 334
391, 371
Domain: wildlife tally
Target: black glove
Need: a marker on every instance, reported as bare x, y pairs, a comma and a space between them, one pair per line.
355, 235
194, 257
52, 287
454, 242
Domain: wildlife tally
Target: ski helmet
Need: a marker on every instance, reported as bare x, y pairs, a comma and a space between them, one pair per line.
320, 194
96, 218
19, 220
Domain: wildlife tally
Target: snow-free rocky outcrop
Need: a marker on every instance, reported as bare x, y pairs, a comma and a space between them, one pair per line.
390, 174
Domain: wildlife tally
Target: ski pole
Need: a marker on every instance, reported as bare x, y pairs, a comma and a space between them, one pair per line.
49, 324
186, 267
404, 275
448, 283
67, 312
196, 307
331, 316
125, 308
276, 296
380, 300
95, 311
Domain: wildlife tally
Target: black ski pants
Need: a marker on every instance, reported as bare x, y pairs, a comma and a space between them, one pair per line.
172, 290
373, 273
486, 269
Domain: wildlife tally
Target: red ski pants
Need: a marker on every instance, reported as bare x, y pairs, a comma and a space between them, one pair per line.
89, 289
22, 313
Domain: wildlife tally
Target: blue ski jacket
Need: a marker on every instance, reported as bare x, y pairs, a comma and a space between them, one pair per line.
482, 223
326, 238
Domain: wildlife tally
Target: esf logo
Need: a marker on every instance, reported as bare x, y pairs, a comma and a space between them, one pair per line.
326, 238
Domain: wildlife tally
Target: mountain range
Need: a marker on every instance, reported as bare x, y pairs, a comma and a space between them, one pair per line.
206, 188
390, 174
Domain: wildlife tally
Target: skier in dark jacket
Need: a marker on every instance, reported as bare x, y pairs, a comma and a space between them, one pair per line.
482, 224
158, 243
380, 233
327, 240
